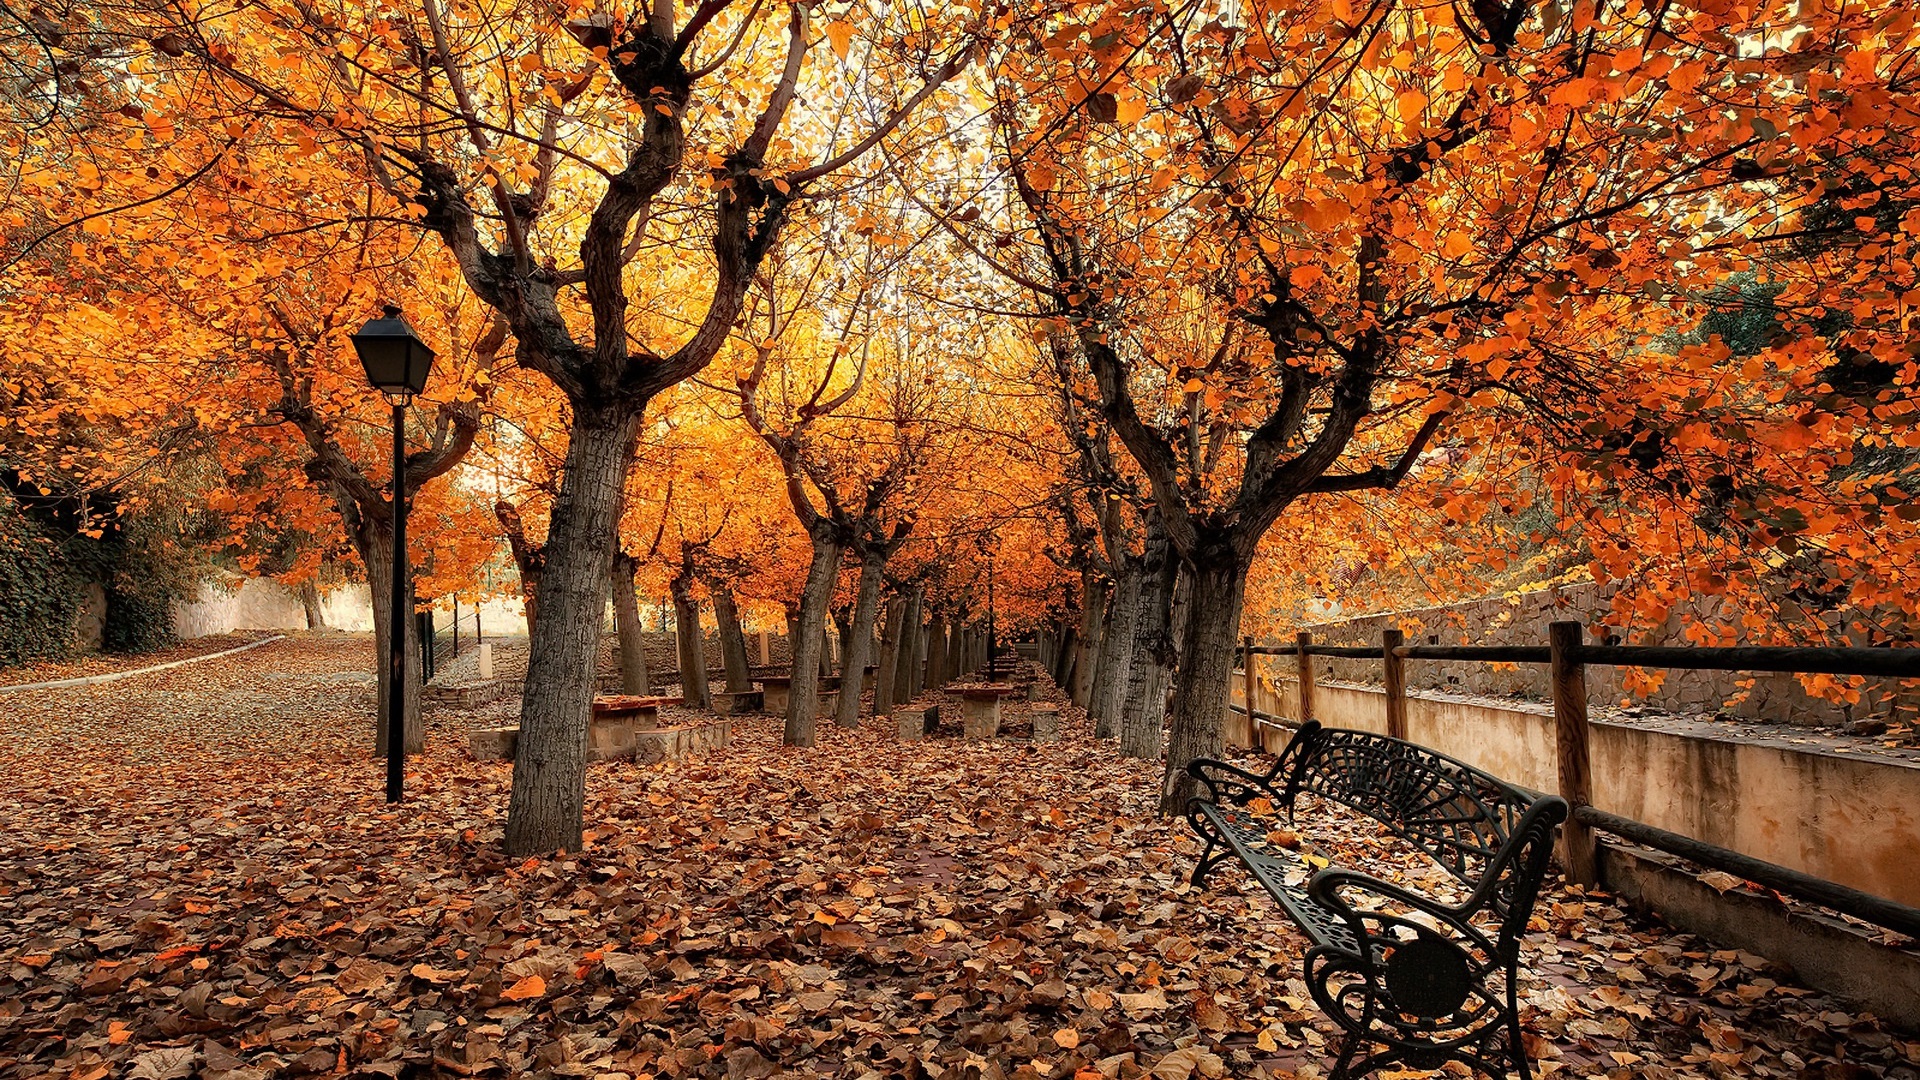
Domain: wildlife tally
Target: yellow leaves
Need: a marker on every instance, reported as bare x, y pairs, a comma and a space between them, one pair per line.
1194, 386
532, 62
1302, 277
1066, 1038
1458, 244
1411, 103
840, 37
1042, 178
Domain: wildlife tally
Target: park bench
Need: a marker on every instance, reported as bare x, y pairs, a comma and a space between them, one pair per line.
1432, 977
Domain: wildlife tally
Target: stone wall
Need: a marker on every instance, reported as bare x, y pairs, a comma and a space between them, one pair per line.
1523, 619
265, 604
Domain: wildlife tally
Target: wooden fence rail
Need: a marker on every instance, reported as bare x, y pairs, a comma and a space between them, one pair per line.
1567, 656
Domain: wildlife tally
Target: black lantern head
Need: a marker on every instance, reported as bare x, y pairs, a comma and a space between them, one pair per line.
397, 361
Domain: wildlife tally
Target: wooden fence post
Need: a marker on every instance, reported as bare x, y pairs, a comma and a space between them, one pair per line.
1396, 680
1246, 653
1570, 739
1301, 642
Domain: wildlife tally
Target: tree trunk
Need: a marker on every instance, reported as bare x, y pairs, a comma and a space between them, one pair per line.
889, 660
376, 555
1064, 650
922, 649
1093, 604
550, 761
691, 646
858, 640
937, 653
842, 631
733, 642
1204, 682
1144, 711
627, 627
529, 559
803, 703
909, 648
1116, 652
310, 600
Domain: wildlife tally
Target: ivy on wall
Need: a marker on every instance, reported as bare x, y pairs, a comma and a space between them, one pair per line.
39, 592
45, 571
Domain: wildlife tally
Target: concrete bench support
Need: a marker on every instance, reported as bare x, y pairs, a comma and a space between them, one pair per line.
915, 722
734, 704
493, 744
980, 719
1046, 723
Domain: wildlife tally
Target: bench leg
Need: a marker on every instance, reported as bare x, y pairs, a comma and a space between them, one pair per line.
1205, 865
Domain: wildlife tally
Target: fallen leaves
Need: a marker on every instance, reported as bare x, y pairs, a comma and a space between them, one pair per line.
965, 929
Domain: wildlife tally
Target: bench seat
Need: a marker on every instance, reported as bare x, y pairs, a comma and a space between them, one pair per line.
1428, 979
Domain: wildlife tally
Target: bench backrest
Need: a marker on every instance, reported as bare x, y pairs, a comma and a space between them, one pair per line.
1459, 815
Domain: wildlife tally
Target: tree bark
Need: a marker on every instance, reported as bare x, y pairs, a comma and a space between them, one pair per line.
377, 555
908, 649
310, 600
1066, 646
937, 652
733, 642
858, 641
1143, 713
889, 660
550, 760
690, 643
628, 629
529, 559
1203, 684
1093, 603
922, 650
803, 703
1116, 652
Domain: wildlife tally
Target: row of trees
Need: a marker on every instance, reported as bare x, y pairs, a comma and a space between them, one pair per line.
824, 305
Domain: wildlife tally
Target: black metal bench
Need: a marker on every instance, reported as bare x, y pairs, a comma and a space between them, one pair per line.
1427, 979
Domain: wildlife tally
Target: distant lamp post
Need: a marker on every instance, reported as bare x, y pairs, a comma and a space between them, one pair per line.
397, 364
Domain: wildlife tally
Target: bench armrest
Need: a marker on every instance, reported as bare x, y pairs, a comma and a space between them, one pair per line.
1326, 885
1230, 783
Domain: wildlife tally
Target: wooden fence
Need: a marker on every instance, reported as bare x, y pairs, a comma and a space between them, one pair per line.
1568, 656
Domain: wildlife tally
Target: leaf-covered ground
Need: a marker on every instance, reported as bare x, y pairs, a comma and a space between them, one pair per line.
198, 877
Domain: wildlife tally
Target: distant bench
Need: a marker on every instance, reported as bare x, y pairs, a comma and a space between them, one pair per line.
1429, 979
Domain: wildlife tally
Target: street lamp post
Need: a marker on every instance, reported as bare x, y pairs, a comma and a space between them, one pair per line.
397, 364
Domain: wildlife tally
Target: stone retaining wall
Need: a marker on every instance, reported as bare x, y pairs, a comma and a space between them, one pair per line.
1840, 816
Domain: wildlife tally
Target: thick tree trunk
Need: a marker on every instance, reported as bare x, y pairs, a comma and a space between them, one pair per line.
1203, 685
376, 554
858, 640
937, 653
1117, 652
627, 628
310, 600
691, 644
1093, 605
1144, 711
803, 705
909, 648
733, 642
550, 761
